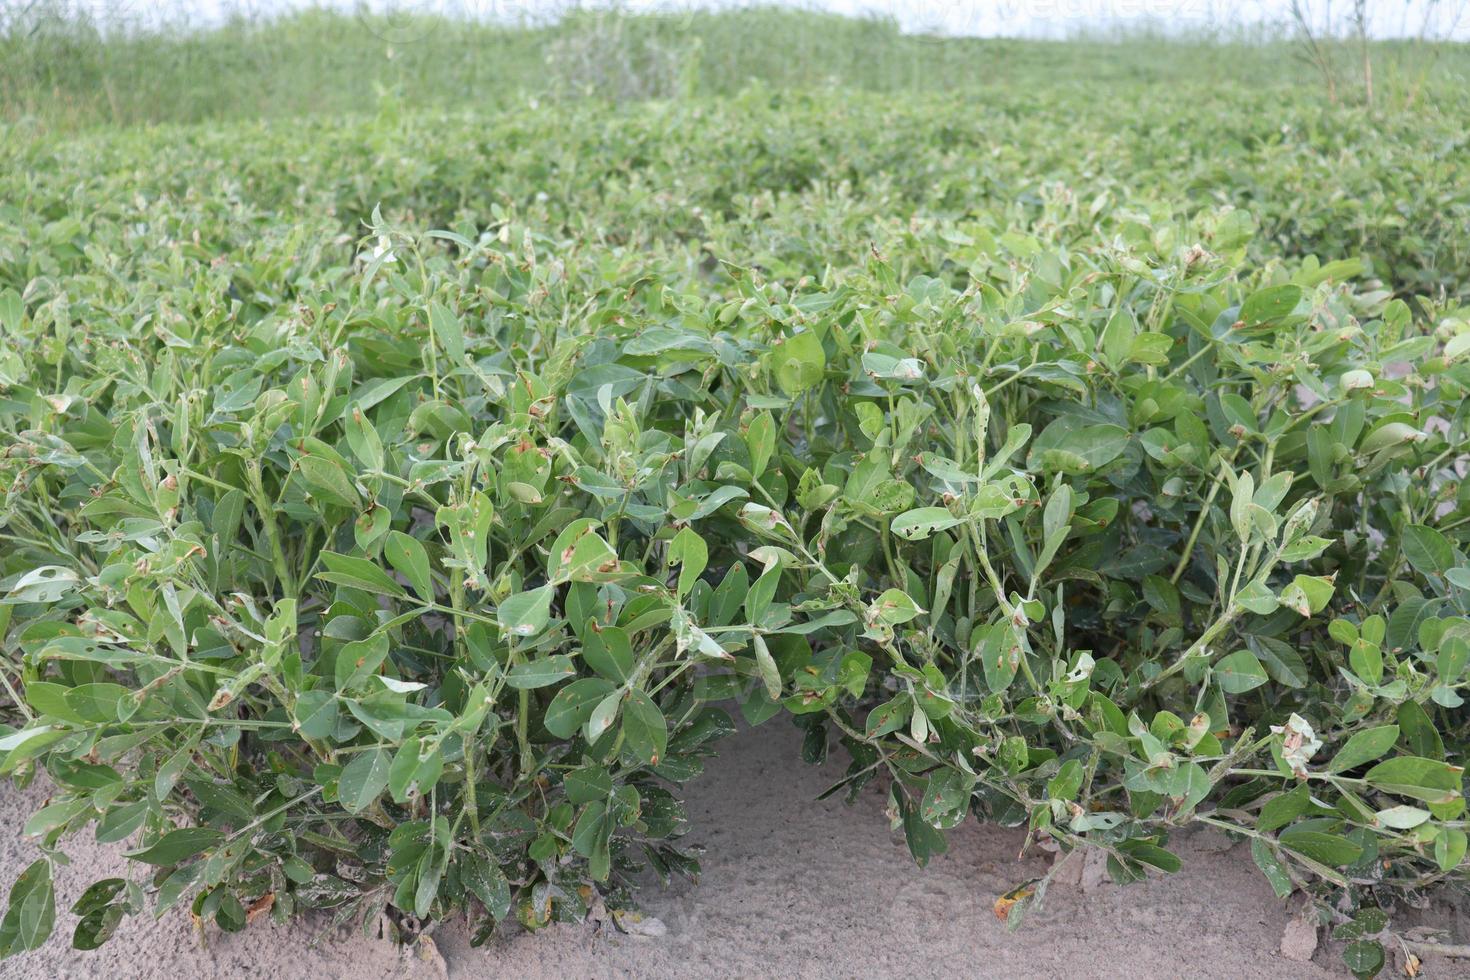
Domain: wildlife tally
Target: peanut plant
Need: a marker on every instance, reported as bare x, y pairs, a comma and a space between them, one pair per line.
410, 559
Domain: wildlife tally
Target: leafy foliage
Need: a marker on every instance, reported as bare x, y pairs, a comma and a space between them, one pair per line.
418, 570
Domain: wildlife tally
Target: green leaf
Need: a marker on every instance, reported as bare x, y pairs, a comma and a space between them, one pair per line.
573, 705
1364, 746
526, 613
1153, 856
1449, 848
1368, 922
1417, 778
1272, 303
357, 573
1066, 784
770, 674
1428, 551
359, 660
541, 673
799, 363
401, 772
486, 882
889, 716
1257, 598
364, 440
1239, 672
1402, 817
327, 481
691, 554
1418, 732
1000, 655
923, 839
447, 332
1272, 868
1454, 654
176, 845
1308, 594
760, 440
48, 583
12, 310
1330, 849
1240, 506
1364, 958
315, 713
893, 607
1117, 338
31, 913
592, 828
645, 733
1078, 451
1304, 548
1282, 662
99, 917
1389, 436
946, 796
409, 558
1366, 661
609, 652
363, 779
1283, 808
603, 715
586, 785
916, 525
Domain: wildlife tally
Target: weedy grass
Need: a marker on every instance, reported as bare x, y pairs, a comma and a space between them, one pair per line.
398, 508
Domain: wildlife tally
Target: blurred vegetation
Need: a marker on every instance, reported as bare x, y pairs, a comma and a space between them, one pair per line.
60, 69
1166, 125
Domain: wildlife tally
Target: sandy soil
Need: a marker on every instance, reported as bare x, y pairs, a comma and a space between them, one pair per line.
791, 888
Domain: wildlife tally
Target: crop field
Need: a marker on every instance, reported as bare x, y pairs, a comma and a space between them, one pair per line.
421, 452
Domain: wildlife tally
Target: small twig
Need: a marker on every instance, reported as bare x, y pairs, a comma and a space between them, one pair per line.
1452, 950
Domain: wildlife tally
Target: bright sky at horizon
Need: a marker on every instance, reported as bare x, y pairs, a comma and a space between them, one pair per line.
1442, 19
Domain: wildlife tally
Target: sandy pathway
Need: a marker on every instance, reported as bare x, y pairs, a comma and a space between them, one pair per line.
791, 888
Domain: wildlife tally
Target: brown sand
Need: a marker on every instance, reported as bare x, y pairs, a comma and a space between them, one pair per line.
791, 888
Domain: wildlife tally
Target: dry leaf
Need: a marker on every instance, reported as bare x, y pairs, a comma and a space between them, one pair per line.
259, 907
1006, 902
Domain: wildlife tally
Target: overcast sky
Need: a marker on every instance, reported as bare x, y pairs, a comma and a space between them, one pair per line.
1059, 17
1029, 18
